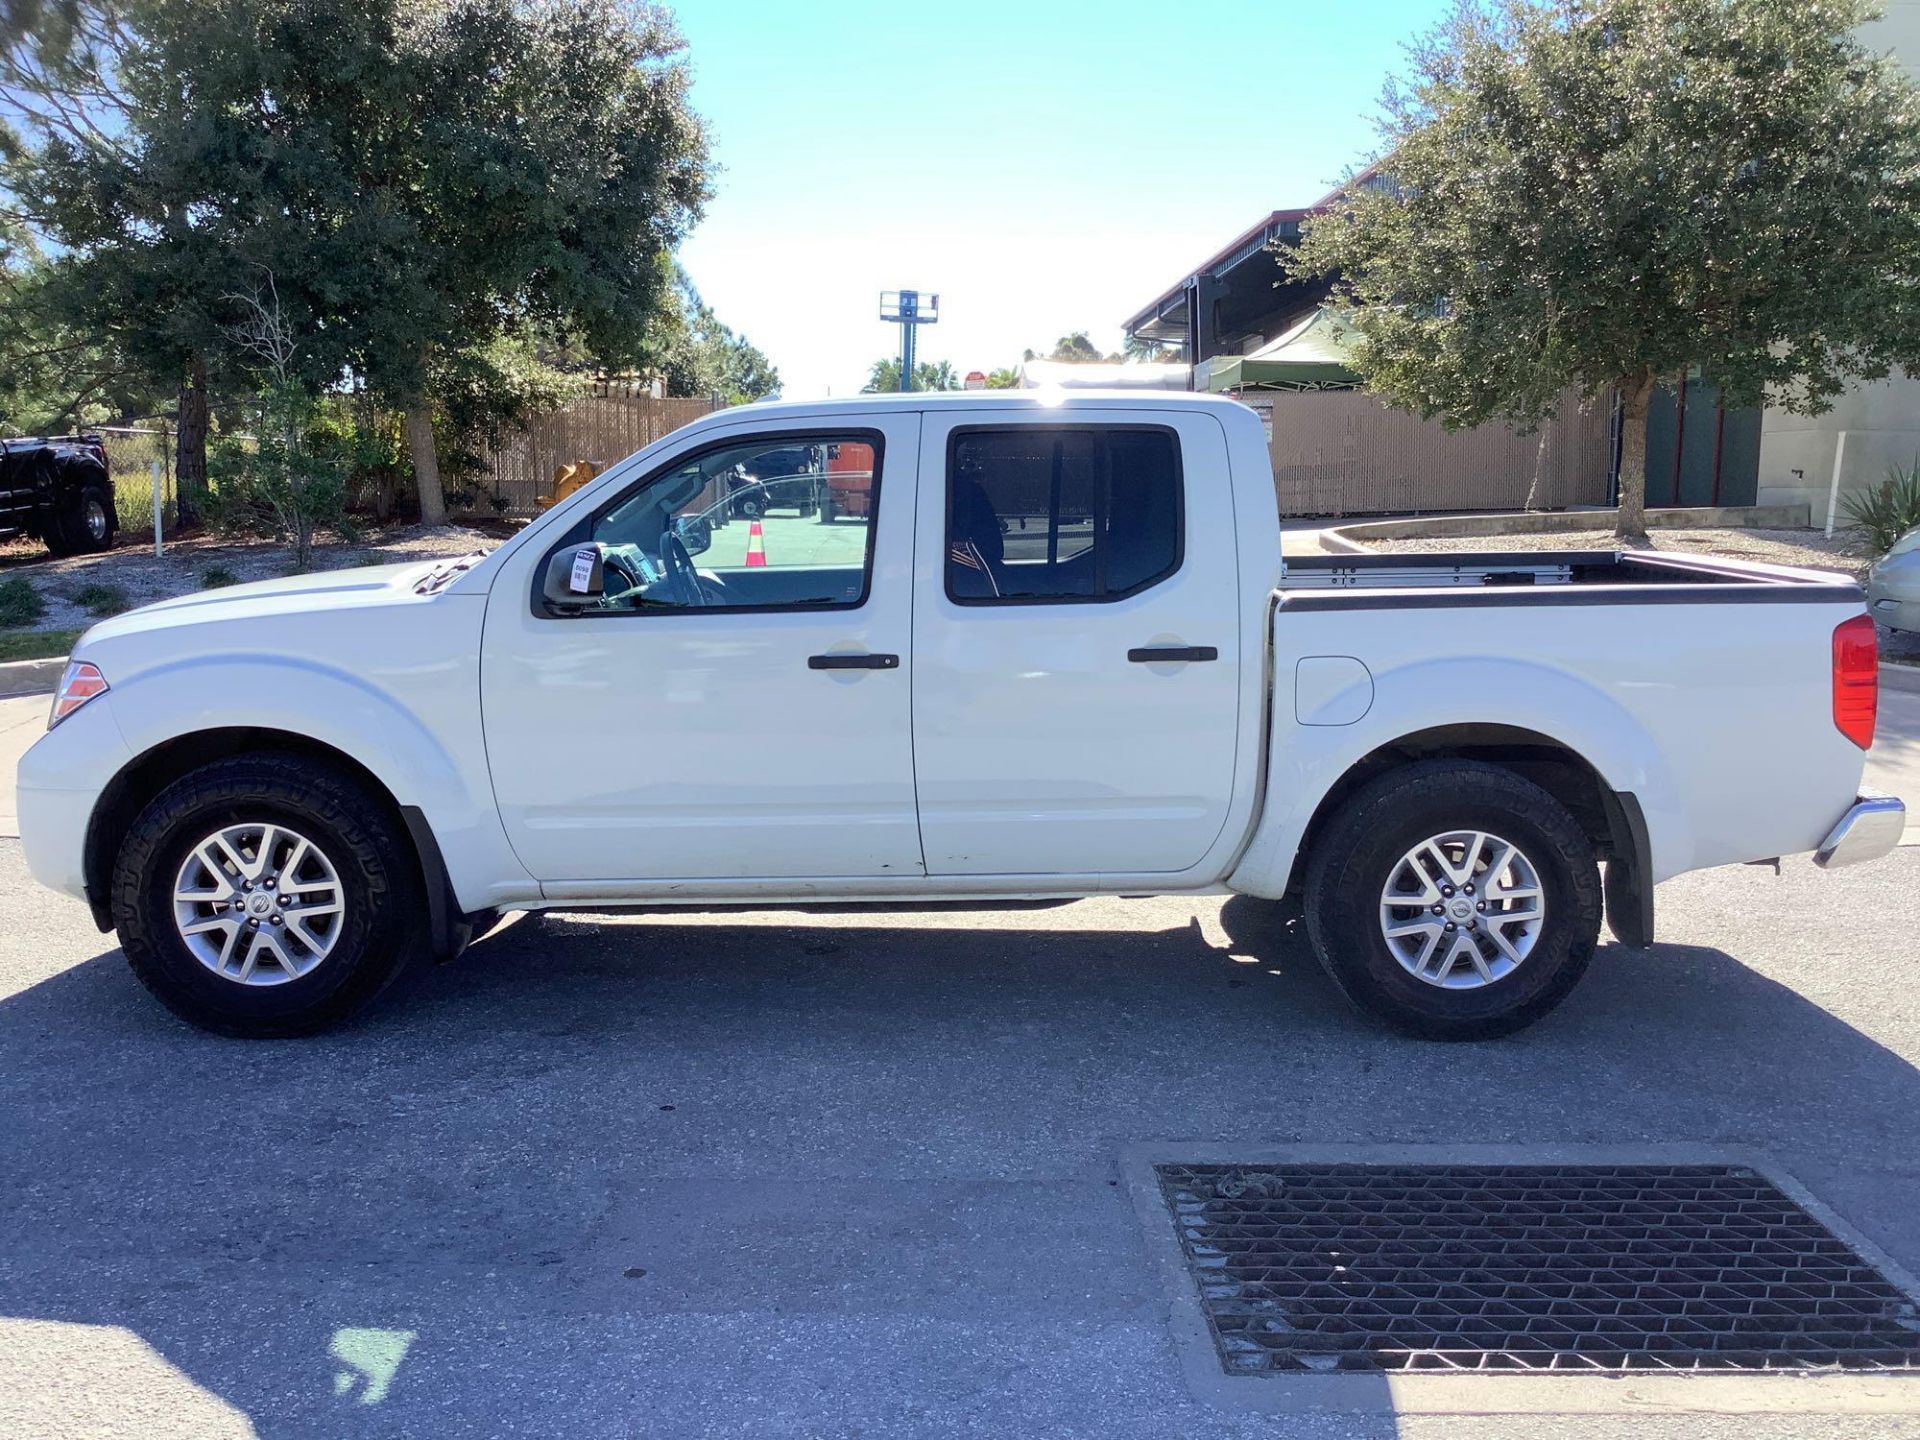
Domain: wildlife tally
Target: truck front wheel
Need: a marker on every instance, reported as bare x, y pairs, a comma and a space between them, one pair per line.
267, 895
1454, 900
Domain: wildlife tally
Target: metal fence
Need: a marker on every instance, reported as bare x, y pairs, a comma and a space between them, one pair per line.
133, 452
1347, 453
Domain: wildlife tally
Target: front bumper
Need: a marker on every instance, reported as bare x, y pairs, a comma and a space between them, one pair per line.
1866, 832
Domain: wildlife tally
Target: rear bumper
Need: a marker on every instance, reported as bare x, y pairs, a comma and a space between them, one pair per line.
1867, 831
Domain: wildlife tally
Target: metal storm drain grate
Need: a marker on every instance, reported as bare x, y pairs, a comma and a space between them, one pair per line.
1526, 1268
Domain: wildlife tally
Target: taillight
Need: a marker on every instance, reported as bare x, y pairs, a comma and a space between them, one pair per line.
1856, 679
81, 683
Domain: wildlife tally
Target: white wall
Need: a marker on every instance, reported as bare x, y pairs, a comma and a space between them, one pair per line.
1882, 420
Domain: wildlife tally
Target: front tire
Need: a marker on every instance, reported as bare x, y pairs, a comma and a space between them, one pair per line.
1454, 900
267, 896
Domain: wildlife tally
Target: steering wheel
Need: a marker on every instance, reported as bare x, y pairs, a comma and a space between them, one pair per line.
620, 565
683, 581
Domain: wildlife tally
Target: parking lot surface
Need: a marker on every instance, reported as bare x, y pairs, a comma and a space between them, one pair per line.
823, 1175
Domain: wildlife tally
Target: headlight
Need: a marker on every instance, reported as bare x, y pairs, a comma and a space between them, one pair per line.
80, 684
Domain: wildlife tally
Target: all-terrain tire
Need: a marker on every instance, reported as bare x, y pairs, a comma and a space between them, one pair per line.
382, 930
84, 524
1358, 853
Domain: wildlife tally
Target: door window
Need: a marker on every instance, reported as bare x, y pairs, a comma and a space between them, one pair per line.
777, 522
1039, 514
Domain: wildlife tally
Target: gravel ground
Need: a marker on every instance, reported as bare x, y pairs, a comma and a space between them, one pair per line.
183, 569
1846, 551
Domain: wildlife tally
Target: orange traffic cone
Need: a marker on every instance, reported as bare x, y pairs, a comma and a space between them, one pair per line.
756, 545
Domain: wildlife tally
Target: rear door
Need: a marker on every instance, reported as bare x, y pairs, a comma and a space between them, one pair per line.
1076, 642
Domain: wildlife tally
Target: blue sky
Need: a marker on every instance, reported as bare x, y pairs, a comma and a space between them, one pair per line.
1045, 166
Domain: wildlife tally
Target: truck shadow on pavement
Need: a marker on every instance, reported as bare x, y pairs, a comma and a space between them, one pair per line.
680, 1176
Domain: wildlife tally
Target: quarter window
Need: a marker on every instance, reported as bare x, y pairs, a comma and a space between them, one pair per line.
1059, 513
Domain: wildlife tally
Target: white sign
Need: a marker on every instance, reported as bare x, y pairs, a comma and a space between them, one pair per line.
581, 581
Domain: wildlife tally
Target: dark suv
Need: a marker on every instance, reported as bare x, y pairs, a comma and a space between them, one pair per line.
57, 489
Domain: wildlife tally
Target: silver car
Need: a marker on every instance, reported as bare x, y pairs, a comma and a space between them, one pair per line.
1893, 584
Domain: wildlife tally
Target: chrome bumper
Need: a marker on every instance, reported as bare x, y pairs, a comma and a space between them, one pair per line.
1866, 832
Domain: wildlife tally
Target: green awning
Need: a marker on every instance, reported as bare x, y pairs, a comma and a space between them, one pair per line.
1313, 355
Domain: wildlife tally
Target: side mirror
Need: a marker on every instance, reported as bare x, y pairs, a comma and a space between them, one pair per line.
576, 575
695, 532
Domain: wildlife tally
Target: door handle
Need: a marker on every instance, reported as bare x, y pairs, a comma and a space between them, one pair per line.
1162, 654
853, 662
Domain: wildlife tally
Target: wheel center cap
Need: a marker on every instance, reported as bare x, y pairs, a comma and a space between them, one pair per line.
1459, 909
258, 905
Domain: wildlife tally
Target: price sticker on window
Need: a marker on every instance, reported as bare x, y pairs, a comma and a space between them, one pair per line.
581, 581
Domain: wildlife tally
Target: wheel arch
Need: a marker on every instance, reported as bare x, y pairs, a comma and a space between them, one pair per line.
1612, 819
148, 773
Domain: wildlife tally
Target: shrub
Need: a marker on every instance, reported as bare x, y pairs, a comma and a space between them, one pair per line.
20, 603
1890, 510
217, 577
101, 600
288, 485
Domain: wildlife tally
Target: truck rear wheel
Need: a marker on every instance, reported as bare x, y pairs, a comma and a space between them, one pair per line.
1454, 900
267, 895
84, 523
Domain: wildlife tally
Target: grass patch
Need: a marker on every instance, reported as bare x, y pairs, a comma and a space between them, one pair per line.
217, 577
101, 600
37, 644
20, 603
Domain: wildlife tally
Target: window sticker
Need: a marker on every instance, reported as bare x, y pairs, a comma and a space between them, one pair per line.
581, 581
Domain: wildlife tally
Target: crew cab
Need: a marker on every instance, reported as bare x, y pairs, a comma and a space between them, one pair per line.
1057, 654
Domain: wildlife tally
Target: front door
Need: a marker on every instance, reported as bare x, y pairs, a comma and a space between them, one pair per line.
708, 675
1076, 643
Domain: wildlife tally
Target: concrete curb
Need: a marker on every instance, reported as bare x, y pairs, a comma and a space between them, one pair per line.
30, 677
1900, 677
1348, 538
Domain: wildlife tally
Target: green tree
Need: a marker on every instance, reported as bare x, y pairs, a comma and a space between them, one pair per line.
1604, 193
425, 178
698, 354
1076, 347
54, 376
1005, 378
884, 377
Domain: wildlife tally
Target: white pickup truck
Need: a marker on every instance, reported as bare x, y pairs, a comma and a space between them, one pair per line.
971, 647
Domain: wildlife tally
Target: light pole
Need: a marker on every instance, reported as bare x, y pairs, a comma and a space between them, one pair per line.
908, 309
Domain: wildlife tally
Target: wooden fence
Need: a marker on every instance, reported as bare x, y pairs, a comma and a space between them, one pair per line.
601, 428
1343, 452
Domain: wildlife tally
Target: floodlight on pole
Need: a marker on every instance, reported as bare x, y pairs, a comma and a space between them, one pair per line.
908, 309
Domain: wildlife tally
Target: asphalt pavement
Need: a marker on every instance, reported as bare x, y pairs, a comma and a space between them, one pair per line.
824, 1175
748, 1174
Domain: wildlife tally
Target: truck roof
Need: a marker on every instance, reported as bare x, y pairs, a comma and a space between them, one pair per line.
1047, 398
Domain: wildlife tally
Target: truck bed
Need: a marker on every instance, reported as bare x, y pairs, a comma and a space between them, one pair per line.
1547, 576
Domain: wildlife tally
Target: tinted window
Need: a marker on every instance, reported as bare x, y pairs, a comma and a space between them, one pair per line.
1083, 513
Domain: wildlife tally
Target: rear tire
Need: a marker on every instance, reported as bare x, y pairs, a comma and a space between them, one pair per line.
1444, 975
85, 524
310, 973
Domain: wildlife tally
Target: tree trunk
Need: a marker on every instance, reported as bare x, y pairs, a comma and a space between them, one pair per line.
426, 464
1539, 464
1636, 393
190, 444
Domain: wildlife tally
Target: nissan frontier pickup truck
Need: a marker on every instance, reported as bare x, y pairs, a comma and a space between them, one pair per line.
1057, 654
